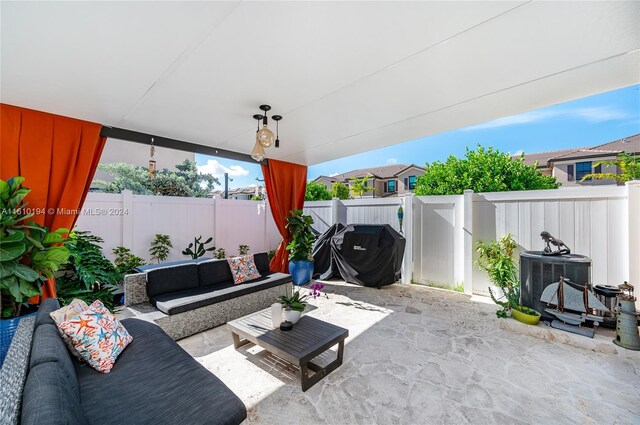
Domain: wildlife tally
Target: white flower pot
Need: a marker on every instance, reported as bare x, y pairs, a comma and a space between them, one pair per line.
292, 316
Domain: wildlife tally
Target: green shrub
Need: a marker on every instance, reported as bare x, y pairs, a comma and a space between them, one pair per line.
340, 190
316, 192
126, 261
160, 248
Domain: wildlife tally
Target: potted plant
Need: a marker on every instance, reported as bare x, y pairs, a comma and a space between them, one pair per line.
300, 247
29, 255
293, 306
497, 260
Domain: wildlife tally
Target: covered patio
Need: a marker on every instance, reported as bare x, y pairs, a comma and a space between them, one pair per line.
346, 77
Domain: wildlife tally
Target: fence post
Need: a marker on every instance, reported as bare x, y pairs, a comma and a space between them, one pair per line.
334, 210
127, 219
633, 206
468, 241
407, 261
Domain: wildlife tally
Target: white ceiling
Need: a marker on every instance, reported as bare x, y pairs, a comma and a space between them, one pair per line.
347, 77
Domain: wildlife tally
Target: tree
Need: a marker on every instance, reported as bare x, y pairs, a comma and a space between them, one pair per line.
186, 181
316, 192
359, 186
482, 170
339, 190
160, 248
627, 164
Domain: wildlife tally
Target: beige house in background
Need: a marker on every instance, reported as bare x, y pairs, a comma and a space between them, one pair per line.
389, 180
568, 166
138, 154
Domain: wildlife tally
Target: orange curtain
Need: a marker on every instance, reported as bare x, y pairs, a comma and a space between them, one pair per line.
57, 156
286, 184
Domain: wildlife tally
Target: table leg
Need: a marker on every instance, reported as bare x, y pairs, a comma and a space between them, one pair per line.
237, 342
319, 372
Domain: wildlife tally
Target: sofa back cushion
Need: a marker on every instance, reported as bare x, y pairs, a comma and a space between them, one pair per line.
262, 262
171, 279
214, 273
46, 306
47, 346
50, 398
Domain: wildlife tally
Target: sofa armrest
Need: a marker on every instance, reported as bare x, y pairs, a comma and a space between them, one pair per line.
135, 289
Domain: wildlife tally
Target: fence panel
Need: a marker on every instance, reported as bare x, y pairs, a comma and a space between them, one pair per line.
373, 211
436, 243
591, 221
321, 213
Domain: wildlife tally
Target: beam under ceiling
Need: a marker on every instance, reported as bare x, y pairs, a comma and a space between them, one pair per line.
165, 142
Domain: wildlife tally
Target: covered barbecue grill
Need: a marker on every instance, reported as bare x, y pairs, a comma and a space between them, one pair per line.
323, 267
368, 255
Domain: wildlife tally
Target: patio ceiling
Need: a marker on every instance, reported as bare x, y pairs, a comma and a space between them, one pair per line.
347, 77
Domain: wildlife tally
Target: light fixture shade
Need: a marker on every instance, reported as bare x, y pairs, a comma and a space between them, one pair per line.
265, 137
258, 152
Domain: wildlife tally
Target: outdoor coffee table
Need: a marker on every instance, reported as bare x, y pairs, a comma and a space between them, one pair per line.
309, 338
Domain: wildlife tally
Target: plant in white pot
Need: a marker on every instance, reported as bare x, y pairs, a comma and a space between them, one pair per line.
29, 255
300, 247
293, 306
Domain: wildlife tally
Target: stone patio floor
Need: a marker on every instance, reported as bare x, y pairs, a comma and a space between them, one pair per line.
418, 355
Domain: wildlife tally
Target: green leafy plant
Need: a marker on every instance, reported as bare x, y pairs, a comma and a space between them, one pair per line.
271, 254
359, 186
160, 248
185, 181
316, 192
88, 275
296, 301
627, 164
197, 249
126, 261
482, 170
221, 254
340, 190
243, 249
302, 236
496, 258
29, 253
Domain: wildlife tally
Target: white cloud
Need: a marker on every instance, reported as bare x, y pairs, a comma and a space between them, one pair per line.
214, 167
519, 152
333, 174
590, 114
392, 161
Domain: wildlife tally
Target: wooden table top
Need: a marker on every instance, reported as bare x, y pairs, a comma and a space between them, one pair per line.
308, 338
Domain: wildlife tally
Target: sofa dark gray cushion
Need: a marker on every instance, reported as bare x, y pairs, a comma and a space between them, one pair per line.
214, 272
181, 301
48, 346
49, 398
262, 262
46, 306
169, 279
155, 381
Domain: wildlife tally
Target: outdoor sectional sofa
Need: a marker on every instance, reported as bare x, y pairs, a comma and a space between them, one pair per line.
188, 298
154, 381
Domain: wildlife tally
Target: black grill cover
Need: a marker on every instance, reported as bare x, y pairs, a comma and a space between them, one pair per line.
323, 266
368, 255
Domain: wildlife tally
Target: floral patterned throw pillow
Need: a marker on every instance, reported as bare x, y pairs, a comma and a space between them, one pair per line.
243, 269
97, 336
66, 313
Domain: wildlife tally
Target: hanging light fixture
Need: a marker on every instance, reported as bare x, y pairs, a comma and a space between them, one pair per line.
264, 136
152, 162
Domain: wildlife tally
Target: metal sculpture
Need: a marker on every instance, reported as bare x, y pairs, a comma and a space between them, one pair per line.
560, 247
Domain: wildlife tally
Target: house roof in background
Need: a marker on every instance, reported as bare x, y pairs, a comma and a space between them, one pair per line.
630, 144
381, 172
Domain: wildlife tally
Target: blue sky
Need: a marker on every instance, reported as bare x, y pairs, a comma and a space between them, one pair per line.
584, 122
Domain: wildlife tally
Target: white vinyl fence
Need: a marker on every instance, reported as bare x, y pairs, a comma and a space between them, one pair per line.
133, 220
601, 222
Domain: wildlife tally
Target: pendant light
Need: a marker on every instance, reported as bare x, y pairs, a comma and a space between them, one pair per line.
264, 136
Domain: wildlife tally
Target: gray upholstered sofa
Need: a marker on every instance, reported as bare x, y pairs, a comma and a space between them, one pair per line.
188, 298
154, 381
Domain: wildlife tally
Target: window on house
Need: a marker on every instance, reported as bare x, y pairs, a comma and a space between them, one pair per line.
597, 169
406, 183
391, 186
570, 173
582, 169
412, 182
